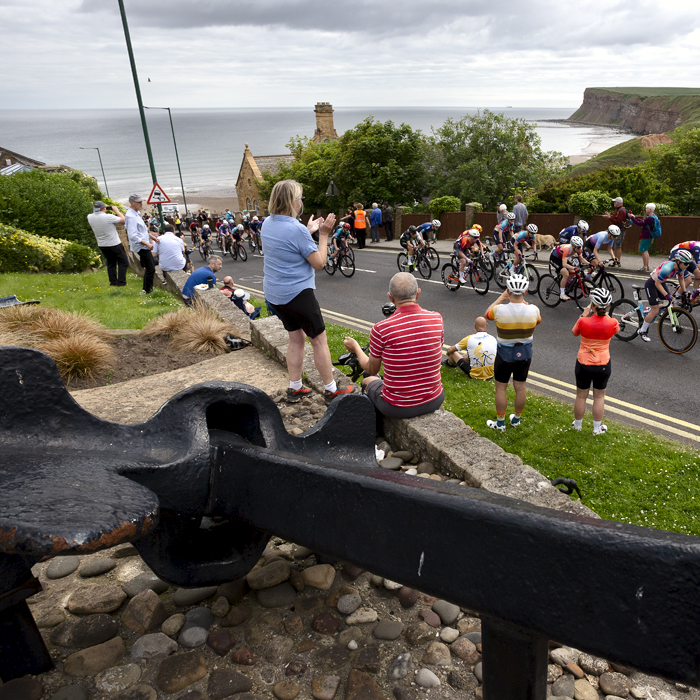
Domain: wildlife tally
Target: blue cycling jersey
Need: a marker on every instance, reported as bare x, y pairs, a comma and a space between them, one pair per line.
425, 228
597, 240
341, 233
567, 233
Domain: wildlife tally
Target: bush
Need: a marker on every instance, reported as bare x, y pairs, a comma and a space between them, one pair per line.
21, 251
663, 210
589, 203
168, 324
442, 205
406, 209
478, 207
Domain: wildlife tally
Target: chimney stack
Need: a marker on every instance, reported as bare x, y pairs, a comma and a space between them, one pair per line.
324, 123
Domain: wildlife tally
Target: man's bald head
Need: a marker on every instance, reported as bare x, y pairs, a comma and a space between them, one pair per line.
228, 281
403, 288
481, 324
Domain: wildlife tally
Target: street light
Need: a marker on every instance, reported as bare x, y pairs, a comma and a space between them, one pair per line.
177, 157
94, 148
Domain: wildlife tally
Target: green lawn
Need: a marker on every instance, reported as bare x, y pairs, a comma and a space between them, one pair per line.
115, 307
627, 475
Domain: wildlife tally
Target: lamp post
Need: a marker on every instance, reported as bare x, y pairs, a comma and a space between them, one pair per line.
94, 148
177, 157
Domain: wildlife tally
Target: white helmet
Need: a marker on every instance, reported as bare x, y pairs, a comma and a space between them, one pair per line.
239, 227
255, 218
517, 284
205, 226
474, 233
601, 297
577, 241
683, 256
613, 231
435, 223
510, 216
582, 225
532, 228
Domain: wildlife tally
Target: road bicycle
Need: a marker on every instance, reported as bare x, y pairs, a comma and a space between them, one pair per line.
420, 261
506, 267
342, 261
432, 255
676, 326
477, 270
236, 250
204, 248
577, 288
255, 242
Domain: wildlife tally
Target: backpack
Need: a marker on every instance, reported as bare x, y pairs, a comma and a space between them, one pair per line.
627, 222
656, 227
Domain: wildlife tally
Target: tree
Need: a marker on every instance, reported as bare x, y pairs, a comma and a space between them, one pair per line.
488, 158
678, 164
589, 203
441, 205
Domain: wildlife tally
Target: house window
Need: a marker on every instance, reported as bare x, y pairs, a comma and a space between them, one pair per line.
250, 184
257, 207
248, 206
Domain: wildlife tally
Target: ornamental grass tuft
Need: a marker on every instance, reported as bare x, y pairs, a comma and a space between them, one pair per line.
204, 332
80, 355
168, 324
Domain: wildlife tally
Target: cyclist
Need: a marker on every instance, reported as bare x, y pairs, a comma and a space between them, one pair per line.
694, 268
224, 232
596, 328
412, 241
655, 287
255, 226
524, 238
580, 229
468, 242
205, 233
593, 243
502, 232
428, 230
559, 260
339, 241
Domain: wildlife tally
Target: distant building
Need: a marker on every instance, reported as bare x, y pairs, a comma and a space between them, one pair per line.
325, 131
11, 163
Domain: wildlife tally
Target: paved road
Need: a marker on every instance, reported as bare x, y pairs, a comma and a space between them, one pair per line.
649, 388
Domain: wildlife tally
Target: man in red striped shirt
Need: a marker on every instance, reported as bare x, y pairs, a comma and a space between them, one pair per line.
409, 344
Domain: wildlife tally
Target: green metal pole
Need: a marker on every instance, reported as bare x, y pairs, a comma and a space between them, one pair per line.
177, 158
140, 103
103, 170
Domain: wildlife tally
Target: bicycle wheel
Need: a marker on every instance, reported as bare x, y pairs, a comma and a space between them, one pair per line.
251, 244
613, 285
501, 273
401, 259
241, 251
548, 290
424, 267
450, 276
486, 267
231, 251
678, 331
350, 253
433, 258
533, 278
581, 293
627, 314
478, 280
203, 251
329, 267
346, 265
220, 243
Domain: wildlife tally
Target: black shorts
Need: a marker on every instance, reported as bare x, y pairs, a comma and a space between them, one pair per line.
302, 312
597, 375
502, 370
556, 262
653, 292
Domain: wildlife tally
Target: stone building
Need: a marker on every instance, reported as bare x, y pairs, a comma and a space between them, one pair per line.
325, 131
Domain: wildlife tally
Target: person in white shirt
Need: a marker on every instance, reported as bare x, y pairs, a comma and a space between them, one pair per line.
477, 361
170, 250
104, 226
139, 241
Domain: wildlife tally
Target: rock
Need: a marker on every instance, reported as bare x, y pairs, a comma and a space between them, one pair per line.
173, 624
449, 634
478, 672
564, 686
338, 593
151, 646
562, 656
319, 576
474, 637
362, 687
432, 618
405, 455
351, 634
681, 687
376, 580
583, 690
85, 632
269, 576
300, 552
362, 616
325, 623
220, 608
408, 597
96, 599
279, 650
412, 472
221, 641
143, 582
388, 629
286, 690
448, 612
393, 463
278, 596
425, 678
118, 678
331, 659
192, 637
465, 649
236, 616
615, 684
178, 671
468, 624
198, 617
145, 612
293, 625
402, 693
184, 597
461, 679
622, 669
425, 468
349, 603
437, 654
262, 627
351, 572
325, 687
553, 672
639, 693
90, 661
352, 645
593, 665
53, 617
296, 667
127, 550
305, 645
418, 633
96, 567
233, 591
308, 604
399, 667
21, 689
62, 566
244, 657
138, 692
73, 692
368, 659
296, 580
392, 585
574, 670
225, 682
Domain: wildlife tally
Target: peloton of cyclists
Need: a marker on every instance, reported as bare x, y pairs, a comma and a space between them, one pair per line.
580, 229
524, 238
502, 232
559, 259
428, 230
655, 287
593, 243
694, 268
468, 242
412, 241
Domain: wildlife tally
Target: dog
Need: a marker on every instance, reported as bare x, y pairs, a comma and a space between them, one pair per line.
545, 241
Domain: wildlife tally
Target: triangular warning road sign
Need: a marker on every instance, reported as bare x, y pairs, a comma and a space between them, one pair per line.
157, 195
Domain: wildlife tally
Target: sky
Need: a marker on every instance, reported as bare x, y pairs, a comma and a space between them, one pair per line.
72, 54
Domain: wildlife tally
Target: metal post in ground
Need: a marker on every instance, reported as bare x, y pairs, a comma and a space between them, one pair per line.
94, 148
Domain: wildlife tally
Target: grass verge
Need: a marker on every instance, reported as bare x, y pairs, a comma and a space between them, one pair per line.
115, 307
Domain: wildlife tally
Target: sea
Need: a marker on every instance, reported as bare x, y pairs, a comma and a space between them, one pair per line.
211, 142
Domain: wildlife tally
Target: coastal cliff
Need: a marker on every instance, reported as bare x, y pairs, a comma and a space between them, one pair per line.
642, 110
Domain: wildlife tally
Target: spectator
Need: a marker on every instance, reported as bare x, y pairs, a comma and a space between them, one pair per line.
170, 250
409, 345
388, 219
139, 241
501, 213
359, 217
214, 263
375, 221
618, 217
291, 258
104, 226
480, 352
520, 211
240, 299
515, 324
228, 289
647, 223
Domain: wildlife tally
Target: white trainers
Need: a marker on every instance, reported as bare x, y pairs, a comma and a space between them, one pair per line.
514, 420
573, 426
601, 430
462, 280
494, 424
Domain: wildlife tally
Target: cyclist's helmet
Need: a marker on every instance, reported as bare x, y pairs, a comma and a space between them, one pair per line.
474, 233
239, 227
478, 228
346, 226
412, 229
532, 228
577, 241
583, 226
388, 309
683, 256
206, 226
255, 218
613, 231
517, 284
510, 216
601, 297
435, 223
